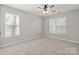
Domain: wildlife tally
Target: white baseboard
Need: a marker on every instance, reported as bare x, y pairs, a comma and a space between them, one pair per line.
76, 42
20, 41
35, 37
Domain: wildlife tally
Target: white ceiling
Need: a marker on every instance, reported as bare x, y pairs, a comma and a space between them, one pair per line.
32, 8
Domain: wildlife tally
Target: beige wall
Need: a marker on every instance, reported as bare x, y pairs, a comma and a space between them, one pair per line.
30, 25
72, 26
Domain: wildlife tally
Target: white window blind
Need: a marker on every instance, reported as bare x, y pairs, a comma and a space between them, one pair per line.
57, 25
11, 25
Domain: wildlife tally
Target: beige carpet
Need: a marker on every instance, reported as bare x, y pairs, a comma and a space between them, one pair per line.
42, 46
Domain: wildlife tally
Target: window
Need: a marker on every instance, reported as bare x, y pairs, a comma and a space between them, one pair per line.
11, 25
57, 26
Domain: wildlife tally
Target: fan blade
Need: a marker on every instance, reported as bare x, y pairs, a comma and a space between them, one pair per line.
53, 11
39, 7
52, 6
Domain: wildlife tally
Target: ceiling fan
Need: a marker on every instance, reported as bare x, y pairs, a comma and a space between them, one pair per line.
47, 8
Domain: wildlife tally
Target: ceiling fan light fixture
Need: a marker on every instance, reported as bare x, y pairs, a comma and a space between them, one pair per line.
45, 12
46, 8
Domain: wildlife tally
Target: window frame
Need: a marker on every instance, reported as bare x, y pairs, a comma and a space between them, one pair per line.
51, 32
14, 33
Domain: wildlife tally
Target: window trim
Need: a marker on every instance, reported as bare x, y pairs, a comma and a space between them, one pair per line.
62, 25
12, 25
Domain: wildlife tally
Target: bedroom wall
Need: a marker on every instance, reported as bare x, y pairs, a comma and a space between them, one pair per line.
0, 17
30, 25
72, 26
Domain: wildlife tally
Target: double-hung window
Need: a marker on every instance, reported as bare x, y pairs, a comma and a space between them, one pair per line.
57, 25
11, 25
